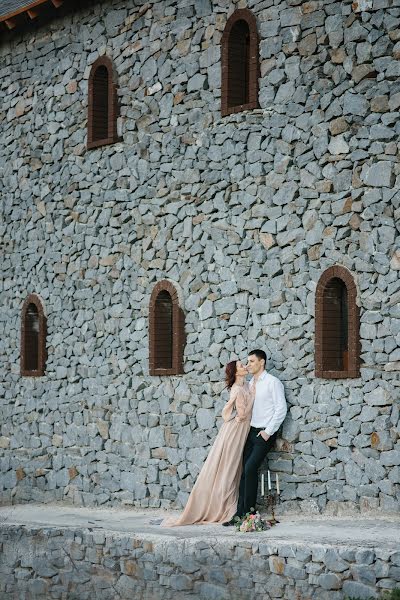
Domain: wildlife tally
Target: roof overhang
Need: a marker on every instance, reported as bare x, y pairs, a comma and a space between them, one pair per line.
21, 12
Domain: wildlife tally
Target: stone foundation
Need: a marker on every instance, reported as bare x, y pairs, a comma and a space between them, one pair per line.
112, 555
243, 213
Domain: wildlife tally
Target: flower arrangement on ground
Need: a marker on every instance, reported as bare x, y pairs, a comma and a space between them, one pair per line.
252, 521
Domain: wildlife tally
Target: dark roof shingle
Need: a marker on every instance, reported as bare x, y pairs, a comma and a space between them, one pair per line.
10, 6
17, 13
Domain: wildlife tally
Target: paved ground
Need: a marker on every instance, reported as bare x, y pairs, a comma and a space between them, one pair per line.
383, 532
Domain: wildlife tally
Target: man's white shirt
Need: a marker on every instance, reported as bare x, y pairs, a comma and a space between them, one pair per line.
269, 408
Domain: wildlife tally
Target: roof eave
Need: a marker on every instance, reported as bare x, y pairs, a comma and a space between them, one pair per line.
12, 19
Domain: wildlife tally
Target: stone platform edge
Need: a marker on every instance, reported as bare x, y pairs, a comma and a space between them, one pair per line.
70, 562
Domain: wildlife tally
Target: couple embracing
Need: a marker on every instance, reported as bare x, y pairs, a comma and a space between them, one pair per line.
226, 487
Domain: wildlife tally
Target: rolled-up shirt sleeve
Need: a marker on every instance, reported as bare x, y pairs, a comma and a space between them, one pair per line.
279, 407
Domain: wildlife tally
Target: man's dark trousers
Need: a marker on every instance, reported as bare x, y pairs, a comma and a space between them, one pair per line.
255, 450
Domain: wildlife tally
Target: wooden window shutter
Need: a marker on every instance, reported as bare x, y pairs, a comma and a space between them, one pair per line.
334, 325
163, 322
239, 63
337, 343
33, 338
103, 104
166, 331
31, 350
100, 104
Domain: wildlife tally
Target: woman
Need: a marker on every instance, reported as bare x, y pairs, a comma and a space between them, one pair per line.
214, 495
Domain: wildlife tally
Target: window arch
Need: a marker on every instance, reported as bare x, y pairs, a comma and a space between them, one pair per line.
240, 63
166, 330
337, 341
33, 337
103, 104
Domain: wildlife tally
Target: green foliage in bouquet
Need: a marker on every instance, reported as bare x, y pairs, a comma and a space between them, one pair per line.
392, 595
252, 521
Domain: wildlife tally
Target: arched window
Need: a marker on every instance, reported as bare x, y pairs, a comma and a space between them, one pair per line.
33, 337
166, 330
337, 343
240, 63
103, 104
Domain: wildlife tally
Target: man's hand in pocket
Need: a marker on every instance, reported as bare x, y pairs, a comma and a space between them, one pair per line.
264, 436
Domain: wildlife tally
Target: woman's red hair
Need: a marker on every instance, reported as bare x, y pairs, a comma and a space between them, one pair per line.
230, 373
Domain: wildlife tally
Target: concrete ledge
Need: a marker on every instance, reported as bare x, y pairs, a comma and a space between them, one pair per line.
66, 552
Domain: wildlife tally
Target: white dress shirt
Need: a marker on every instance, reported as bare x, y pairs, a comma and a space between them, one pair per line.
269, 408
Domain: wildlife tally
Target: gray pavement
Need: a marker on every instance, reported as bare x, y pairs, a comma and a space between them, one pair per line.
379, 531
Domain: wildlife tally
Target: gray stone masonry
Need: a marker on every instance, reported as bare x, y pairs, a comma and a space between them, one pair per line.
242, 213
62, 552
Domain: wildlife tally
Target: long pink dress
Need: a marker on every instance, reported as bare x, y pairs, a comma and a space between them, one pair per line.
215, 494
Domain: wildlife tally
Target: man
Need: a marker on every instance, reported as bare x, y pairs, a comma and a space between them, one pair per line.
269, 411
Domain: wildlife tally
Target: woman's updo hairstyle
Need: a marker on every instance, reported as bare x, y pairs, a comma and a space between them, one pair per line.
230, 374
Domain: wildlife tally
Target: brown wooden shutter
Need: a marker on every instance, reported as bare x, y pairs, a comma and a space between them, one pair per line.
337, 341
100, 104
31, 350
240, 68
33, 337
334, 325
164, 331
103, 109
238, 64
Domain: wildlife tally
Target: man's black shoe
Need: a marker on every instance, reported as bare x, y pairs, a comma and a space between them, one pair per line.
231, 522
228, 523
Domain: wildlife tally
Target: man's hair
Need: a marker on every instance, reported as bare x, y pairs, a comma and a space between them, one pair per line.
260, 355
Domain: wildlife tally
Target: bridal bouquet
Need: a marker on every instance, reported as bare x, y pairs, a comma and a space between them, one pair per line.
252, 522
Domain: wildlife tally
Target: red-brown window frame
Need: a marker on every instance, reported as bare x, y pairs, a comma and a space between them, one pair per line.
113, 107
42, 354
241, 14
353, 370
178, 330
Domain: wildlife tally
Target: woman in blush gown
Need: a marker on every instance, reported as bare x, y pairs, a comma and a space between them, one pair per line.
214, 496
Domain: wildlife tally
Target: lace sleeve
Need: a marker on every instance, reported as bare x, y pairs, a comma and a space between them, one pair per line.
243, 404
227, 410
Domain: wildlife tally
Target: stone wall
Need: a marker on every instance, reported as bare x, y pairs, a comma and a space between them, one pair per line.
58, 563
244, 213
